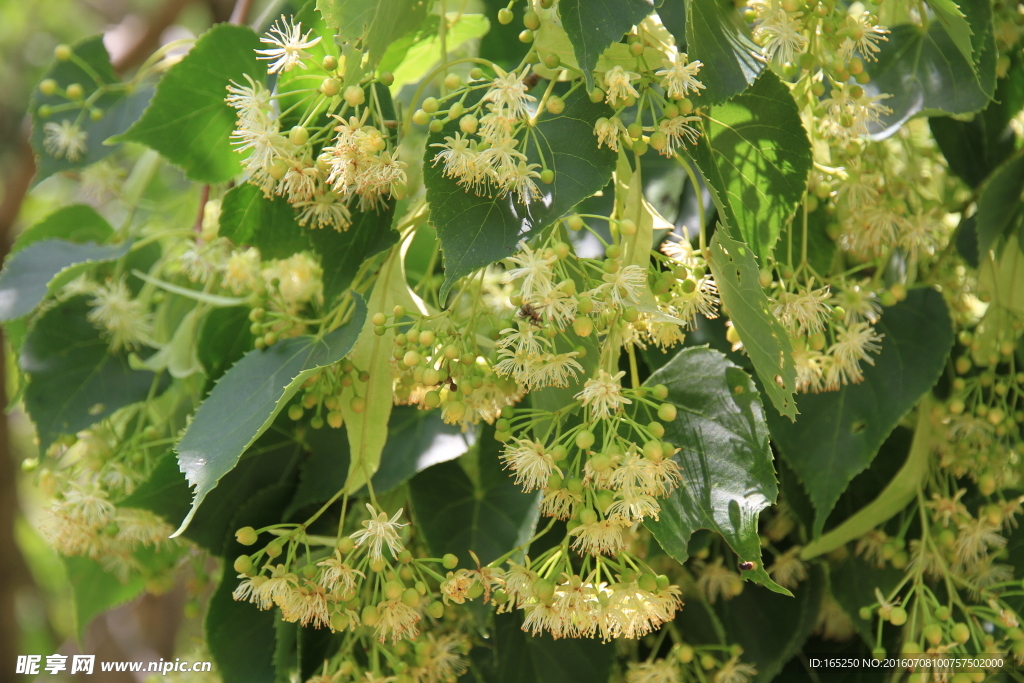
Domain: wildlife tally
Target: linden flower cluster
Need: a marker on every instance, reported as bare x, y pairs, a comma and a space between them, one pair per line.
784, 31
813, 318
355, 159
685, 662
557, 600
496, 162
436, 364
675, 129
82, 519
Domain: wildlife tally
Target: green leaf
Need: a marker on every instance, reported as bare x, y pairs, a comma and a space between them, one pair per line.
770, 627
269, 224
717, 36
838, 433
765, 340
272, 459
120, 109
373, 354
242, 638
248, 397
416, 440
898, 491
477, 231
223, 339
975, 148
374, 23
755, 158
94, 590
593, 25
342, 253
76, 223
522, 658
1000, 210
188, 121
74, 381
953, 20
25, 280
923, 70
821, 249
488, 514
728, 476
410, 58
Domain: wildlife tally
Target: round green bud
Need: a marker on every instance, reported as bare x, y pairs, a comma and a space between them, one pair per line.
543, 589
547, 176
648, 582
354, 96
62, 52
898, 616
685, 654
275, 548
339, 621
370, 615
243, 564
656, 429
555, 105
329, 63
505, 16
531, 20
295, 411
410, 597
411, 358
48, 86
584, 439
436, 126
357, 404
393, 590
435, 609
932, 633
864, 613
596, 95
44, 111
667, 412
75, 91
246, 535
387, 78
330, 87
452, 81
559, 453
450, 561
455, 111
298, 135
379, 319
468, 124
432, 399
526, 36
583, 326
431, 105
654, 451
943, 613
960, 632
